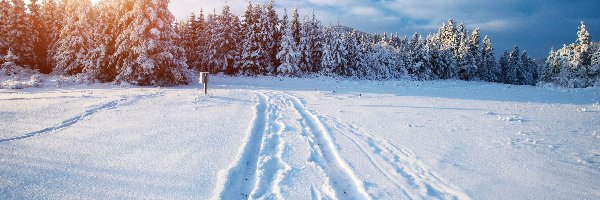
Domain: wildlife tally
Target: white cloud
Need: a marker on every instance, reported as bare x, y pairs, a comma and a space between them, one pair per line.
365, 11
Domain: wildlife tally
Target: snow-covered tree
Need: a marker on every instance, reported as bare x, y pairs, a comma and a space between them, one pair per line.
274, 32
54, 20
296, 26
255, 58
5, 9
353, 56
573, 65
76, 38
39, 33
289, 54
19, 34
146, 48
223, 41
335, 62
488, 69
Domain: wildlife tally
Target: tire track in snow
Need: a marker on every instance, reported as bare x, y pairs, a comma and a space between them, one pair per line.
271, 167
399, 165
241, 178
77, 118
341, 177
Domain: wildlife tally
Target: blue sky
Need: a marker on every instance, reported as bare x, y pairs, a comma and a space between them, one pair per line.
535, 25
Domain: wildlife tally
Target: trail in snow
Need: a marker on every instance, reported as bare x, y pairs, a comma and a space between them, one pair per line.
261, 169
240, 179
399, 165
77, 118
343, 180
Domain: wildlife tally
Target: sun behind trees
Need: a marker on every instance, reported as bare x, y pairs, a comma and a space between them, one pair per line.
138, 42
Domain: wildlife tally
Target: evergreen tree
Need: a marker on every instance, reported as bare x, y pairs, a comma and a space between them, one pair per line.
224, 39
314, 48
489, 70
433, 57
76, 39
465, 59
19, 35
39, 33
306, 45
474, 50
513, 70
551, 68
212, 37
146, 46
296, 27
5, 9
199, 36
352, 57
289, 55
54, 19
504, 71
275, 32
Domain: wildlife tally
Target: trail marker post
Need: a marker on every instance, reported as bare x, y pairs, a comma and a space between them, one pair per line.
204, 80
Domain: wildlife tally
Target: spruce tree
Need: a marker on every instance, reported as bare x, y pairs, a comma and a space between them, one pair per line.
5, 9
19, 36
54, 19
275, 33
76, 39
489, 70
288, 55
147, 47
39, 33
224, 38
296, 27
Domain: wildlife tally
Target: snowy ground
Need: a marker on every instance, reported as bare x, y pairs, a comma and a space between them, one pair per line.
299, 139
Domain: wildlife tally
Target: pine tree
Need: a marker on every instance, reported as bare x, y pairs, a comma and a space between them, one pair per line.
514, 67
200, 38
147, 48
474, 50
255, 59
296, 27
433, 57
525, 74
504, 62
315, 35
551, 68
54, 19
212, 37
223, 42
5, 9
76, 39
584, 54
337, 61
352, 47
274, 32
19, 35
489, 70
39, 33
288, 55
305, 46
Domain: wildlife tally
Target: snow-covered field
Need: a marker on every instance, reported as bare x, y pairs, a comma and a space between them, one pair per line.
315, 138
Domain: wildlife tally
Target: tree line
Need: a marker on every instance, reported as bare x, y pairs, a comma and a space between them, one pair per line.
139, 42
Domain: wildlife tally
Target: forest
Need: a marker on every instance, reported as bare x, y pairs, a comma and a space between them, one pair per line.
140, 42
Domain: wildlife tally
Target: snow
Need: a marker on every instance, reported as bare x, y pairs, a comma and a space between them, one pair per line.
292, 138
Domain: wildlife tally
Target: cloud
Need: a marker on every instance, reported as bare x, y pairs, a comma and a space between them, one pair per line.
365, 11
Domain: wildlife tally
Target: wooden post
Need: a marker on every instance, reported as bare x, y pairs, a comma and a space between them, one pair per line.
204, 80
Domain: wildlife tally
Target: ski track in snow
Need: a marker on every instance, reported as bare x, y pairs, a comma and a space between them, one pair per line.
240, 179
398, 165
77, 118
260, 169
